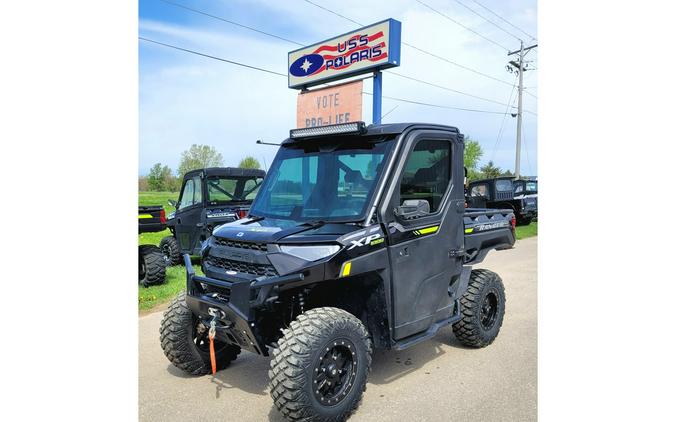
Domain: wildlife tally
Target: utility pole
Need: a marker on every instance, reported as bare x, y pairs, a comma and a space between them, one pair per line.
522, 68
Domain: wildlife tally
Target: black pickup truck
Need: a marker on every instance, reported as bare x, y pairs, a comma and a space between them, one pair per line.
358, 239
151, 264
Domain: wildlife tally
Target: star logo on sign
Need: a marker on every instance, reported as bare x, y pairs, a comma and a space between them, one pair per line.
305, 65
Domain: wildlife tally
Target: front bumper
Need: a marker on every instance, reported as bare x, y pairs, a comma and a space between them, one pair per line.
233, 302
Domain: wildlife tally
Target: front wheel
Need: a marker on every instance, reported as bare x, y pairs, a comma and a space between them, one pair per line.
482, 307
319, 371
185, 341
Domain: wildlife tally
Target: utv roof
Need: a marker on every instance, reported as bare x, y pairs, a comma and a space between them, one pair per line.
385, 129
228, 172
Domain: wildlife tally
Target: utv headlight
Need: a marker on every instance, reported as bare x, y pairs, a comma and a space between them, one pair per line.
310, 253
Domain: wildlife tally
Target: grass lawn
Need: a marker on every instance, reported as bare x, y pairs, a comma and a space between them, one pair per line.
523, 232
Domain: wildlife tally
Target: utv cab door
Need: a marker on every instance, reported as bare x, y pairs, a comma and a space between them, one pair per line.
424, 251
189, 215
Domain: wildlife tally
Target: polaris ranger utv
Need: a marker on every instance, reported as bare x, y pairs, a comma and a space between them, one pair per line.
504, 192
209, 197
358, 238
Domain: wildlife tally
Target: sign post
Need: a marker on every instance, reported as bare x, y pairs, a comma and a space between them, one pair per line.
365, 50
377, 96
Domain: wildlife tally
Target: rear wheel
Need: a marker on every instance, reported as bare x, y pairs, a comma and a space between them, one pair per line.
524, 221
151, 265
185, 341
170, 250
482, 307
319, 371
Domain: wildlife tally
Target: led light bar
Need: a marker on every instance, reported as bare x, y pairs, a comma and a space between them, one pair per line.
352, 128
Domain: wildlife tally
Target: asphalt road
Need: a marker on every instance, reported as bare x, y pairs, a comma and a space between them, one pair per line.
438, 380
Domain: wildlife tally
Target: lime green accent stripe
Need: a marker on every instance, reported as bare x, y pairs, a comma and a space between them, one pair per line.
377, 241
145, 216
427, 230
469, 230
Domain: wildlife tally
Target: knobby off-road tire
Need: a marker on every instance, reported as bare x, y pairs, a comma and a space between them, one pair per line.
482, 307
524, 221
171, 251
151, 265
184, 345
317, 339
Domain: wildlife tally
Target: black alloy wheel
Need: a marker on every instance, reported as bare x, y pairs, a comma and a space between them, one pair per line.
334, 372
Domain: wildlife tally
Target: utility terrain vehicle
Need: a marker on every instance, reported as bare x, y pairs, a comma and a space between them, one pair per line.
500, 193
151, 265
209, 197
358, 238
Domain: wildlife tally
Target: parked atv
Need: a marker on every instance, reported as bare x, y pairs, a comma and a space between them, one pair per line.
358, 239
209, 197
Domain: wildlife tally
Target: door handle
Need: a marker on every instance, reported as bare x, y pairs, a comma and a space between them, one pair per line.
404, 252
200, 225
178, 220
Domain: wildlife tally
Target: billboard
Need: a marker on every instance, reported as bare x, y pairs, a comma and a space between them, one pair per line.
376, 46
336, 104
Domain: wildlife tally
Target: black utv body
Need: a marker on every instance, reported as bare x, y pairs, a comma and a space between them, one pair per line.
505, 192
358, 238
208, 198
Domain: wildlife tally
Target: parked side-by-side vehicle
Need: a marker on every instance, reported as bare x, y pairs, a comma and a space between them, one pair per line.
358, 239
506, 192
208, 198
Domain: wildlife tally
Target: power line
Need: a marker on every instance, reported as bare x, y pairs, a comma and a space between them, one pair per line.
462, 25
501, 126
404, 100
486, 19
284, 75
445, 88
455, 63
415, 47
527, 154
333, 12
345, 17
509, 23
214, 57
230, 22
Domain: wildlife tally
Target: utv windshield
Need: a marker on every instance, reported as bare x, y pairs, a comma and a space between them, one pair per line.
320, 181
231, 189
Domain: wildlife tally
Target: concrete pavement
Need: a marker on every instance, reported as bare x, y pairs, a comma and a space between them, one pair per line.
438, 380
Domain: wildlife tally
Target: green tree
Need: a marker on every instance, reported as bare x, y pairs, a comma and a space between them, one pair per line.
490, 170
472, 153
159, 178
197, 157
249, 162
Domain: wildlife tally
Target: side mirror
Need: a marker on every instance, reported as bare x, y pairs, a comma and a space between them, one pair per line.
412, 209
173, 203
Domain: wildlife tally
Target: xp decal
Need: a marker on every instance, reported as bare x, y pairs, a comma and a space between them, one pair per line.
360, 51
368, 240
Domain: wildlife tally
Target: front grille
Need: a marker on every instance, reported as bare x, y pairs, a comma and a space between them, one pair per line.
241, 267
243, 245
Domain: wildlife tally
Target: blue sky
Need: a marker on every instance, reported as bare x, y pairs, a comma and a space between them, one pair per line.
186, 99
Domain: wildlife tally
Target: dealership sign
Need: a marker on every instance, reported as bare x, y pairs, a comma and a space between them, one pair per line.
373, 47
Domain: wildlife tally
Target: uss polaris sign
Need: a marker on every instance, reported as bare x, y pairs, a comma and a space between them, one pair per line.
377, 46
